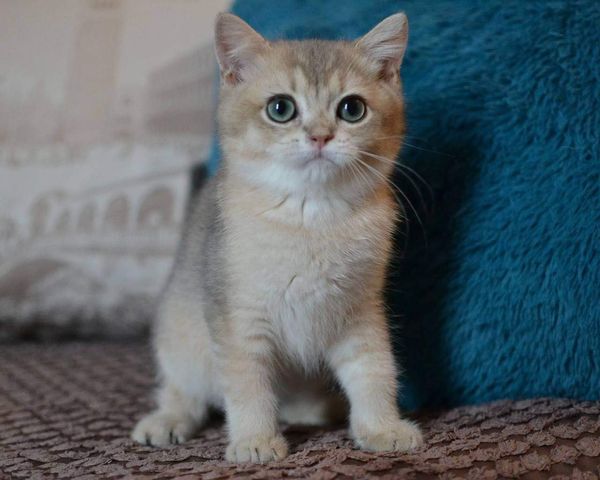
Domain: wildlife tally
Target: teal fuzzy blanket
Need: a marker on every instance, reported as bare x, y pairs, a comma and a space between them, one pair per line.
496, 293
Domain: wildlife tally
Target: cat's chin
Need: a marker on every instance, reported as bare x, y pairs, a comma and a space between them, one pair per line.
318, 171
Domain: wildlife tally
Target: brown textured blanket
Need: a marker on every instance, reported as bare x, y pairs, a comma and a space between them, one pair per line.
66, 411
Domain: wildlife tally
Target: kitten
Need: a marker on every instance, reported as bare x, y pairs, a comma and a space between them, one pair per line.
277, 288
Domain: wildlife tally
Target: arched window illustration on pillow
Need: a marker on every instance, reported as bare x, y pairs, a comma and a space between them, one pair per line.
156, 209
116, 216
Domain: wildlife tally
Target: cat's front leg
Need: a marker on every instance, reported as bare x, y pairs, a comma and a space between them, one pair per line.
250, 403
364, 365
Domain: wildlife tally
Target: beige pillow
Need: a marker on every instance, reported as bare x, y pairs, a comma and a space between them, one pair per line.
105, 107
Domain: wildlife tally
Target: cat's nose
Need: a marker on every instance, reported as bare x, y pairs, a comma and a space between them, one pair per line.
320, 140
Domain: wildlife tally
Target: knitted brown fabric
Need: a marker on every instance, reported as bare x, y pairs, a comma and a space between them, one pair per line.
66, 412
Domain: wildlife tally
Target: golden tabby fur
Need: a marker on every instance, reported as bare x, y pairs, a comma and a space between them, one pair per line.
275, 300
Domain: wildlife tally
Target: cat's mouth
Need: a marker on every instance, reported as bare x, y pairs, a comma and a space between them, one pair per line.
318, 158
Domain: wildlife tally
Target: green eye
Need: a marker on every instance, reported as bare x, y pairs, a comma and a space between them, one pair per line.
281, 108
352, 109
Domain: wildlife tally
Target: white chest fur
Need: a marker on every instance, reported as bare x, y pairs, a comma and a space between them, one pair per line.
308, 283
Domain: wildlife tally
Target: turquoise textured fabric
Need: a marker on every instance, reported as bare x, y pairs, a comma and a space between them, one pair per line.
497, 293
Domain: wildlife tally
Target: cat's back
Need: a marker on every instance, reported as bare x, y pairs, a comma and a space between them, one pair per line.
197, 269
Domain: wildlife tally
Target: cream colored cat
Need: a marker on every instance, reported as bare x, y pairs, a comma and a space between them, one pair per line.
276, 295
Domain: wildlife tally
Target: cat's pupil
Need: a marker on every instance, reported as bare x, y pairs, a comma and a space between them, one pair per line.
352, 107
281, 107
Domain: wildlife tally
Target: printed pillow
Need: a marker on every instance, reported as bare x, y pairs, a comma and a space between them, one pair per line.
496, 293
105, 107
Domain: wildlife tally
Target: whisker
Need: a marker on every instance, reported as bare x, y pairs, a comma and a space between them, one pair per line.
402, 215
423, 181
406, 144
399, 190
414, 185
411, 170
427, 150
363, 176
401, 137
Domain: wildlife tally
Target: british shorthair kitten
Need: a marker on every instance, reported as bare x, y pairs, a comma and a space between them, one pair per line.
274, 308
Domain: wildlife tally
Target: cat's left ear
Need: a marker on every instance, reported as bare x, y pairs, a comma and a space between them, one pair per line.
237, 46
386, 43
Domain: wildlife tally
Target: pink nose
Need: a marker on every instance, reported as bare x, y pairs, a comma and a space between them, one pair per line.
320, 140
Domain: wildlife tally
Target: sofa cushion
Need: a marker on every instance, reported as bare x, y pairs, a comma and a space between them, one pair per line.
66, 411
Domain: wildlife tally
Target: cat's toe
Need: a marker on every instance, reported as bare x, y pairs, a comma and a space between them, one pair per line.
159, 429
259, 449
402, 436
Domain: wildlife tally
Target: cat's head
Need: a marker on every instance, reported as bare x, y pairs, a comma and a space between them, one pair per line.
297, 116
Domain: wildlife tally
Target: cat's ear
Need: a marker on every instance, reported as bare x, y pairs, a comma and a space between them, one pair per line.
237, 45
386, 43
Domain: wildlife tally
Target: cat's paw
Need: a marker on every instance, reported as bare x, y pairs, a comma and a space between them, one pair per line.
259, 449
401, 436
159, 429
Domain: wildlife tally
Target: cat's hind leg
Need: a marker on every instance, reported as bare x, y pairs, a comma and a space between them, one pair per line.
182, 344
174, 421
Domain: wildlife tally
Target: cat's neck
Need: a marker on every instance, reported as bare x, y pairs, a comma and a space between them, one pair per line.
311, 209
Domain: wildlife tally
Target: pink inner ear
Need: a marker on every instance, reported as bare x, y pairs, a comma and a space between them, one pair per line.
230, 78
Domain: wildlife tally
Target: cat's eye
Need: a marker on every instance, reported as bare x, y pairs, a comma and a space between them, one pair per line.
352, 109
281, 108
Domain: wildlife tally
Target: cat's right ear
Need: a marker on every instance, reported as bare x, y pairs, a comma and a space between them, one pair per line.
237, 45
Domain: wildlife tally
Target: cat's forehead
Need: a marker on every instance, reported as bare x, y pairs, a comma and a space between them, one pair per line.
315, 66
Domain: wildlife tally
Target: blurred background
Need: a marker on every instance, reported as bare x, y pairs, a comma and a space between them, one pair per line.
105, 105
